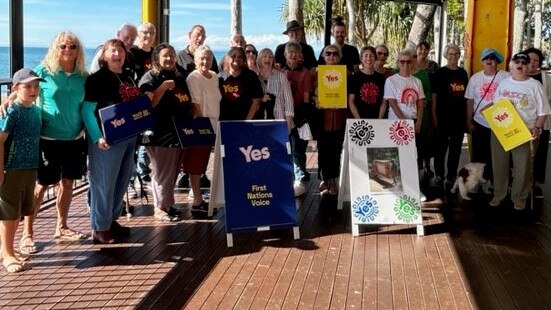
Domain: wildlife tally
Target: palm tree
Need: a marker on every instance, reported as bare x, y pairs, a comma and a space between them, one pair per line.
236, 19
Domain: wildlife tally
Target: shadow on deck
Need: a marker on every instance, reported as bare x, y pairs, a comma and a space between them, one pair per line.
472, 257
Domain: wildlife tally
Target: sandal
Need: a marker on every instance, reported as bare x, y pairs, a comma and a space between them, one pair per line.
69, 234
27, 247
15, 266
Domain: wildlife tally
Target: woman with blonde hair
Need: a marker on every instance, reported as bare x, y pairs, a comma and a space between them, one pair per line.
62, 144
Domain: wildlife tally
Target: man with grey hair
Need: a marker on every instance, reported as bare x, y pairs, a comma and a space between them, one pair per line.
197, 36
295, 31
127, 33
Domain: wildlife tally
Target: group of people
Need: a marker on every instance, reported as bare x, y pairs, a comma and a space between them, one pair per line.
51, 133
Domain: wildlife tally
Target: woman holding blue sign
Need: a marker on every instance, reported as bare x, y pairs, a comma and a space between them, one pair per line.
171, 100
110, 165
205, 93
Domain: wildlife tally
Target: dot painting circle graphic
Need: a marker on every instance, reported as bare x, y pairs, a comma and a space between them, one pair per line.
406, 209
365, 209
401, 132
361, 133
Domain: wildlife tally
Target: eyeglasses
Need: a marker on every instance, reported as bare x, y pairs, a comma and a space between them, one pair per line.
520, 61
65, 46
382, 54
251, 52
406, 62
329, 54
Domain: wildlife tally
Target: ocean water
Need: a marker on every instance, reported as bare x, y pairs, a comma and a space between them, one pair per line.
34, 55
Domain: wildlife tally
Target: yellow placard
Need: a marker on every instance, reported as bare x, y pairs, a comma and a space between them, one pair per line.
507, 124
332, 86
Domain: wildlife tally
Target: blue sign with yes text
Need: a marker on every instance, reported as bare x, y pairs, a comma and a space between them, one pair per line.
257, 175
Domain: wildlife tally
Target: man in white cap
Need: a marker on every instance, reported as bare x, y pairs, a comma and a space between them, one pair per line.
295, 31
480, 92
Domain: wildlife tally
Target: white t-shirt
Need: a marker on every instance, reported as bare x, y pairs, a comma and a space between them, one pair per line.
527, 97
478, 84
205, 92
406, 91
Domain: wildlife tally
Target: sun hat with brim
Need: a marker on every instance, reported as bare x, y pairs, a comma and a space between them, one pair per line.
26, 75
490, 51
521, 56
294, 24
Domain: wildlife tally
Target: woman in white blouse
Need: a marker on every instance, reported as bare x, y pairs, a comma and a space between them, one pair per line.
205, 93
277, 102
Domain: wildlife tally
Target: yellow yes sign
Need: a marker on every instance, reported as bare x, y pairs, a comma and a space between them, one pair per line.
332, 86
507, 124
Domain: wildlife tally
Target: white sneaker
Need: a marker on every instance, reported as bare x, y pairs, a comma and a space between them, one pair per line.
299, 188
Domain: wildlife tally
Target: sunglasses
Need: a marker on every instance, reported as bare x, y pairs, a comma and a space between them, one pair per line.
519, 61
329, 54
382, 54
251, 52
490, 57
403, 62
65, 46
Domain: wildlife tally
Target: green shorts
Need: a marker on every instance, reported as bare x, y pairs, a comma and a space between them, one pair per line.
17, 194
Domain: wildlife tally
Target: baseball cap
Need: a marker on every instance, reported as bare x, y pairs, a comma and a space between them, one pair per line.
491, 51
24, 76
521, 56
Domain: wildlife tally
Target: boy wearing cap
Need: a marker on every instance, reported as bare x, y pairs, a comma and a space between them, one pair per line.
480, 92
19, 139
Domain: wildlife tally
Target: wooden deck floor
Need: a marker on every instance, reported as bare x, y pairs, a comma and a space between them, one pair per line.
472, 257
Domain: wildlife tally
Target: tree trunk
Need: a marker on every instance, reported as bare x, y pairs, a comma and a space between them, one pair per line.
422, 22
538, 5
295, 11
350, 5
518, 25
236, 19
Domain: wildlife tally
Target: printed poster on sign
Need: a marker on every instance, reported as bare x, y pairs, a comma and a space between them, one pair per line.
507, 124
382, 172
126, 119
332, 86
257, 173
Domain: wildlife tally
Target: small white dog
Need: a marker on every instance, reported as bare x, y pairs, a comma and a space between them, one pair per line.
470, 177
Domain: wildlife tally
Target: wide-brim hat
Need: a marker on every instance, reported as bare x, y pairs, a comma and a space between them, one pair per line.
25, 75
294, 24
491, 51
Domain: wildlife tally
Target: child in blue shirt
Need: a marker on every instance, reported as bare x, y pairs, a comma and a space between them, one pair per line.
19, 138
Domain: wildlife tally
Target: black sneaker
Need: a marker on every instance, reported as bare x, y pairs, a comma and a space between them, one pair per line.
183, 182
205, 182
538, 193
202, 207
174, 212
119, 230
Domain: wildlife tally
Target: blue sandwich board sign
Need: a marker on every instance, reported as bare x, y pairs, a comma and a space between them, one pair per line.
257, 169
126, 119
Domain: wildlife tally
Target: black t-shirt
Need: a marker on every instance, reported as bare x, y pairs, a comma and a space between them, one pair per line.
350, 57
107, 88
173, 103
449, 86
368, 92
142, 61
307, 54
238, 93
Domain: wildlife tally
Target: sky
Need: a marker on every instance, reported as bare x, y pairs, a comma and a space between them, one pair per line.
97, 20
